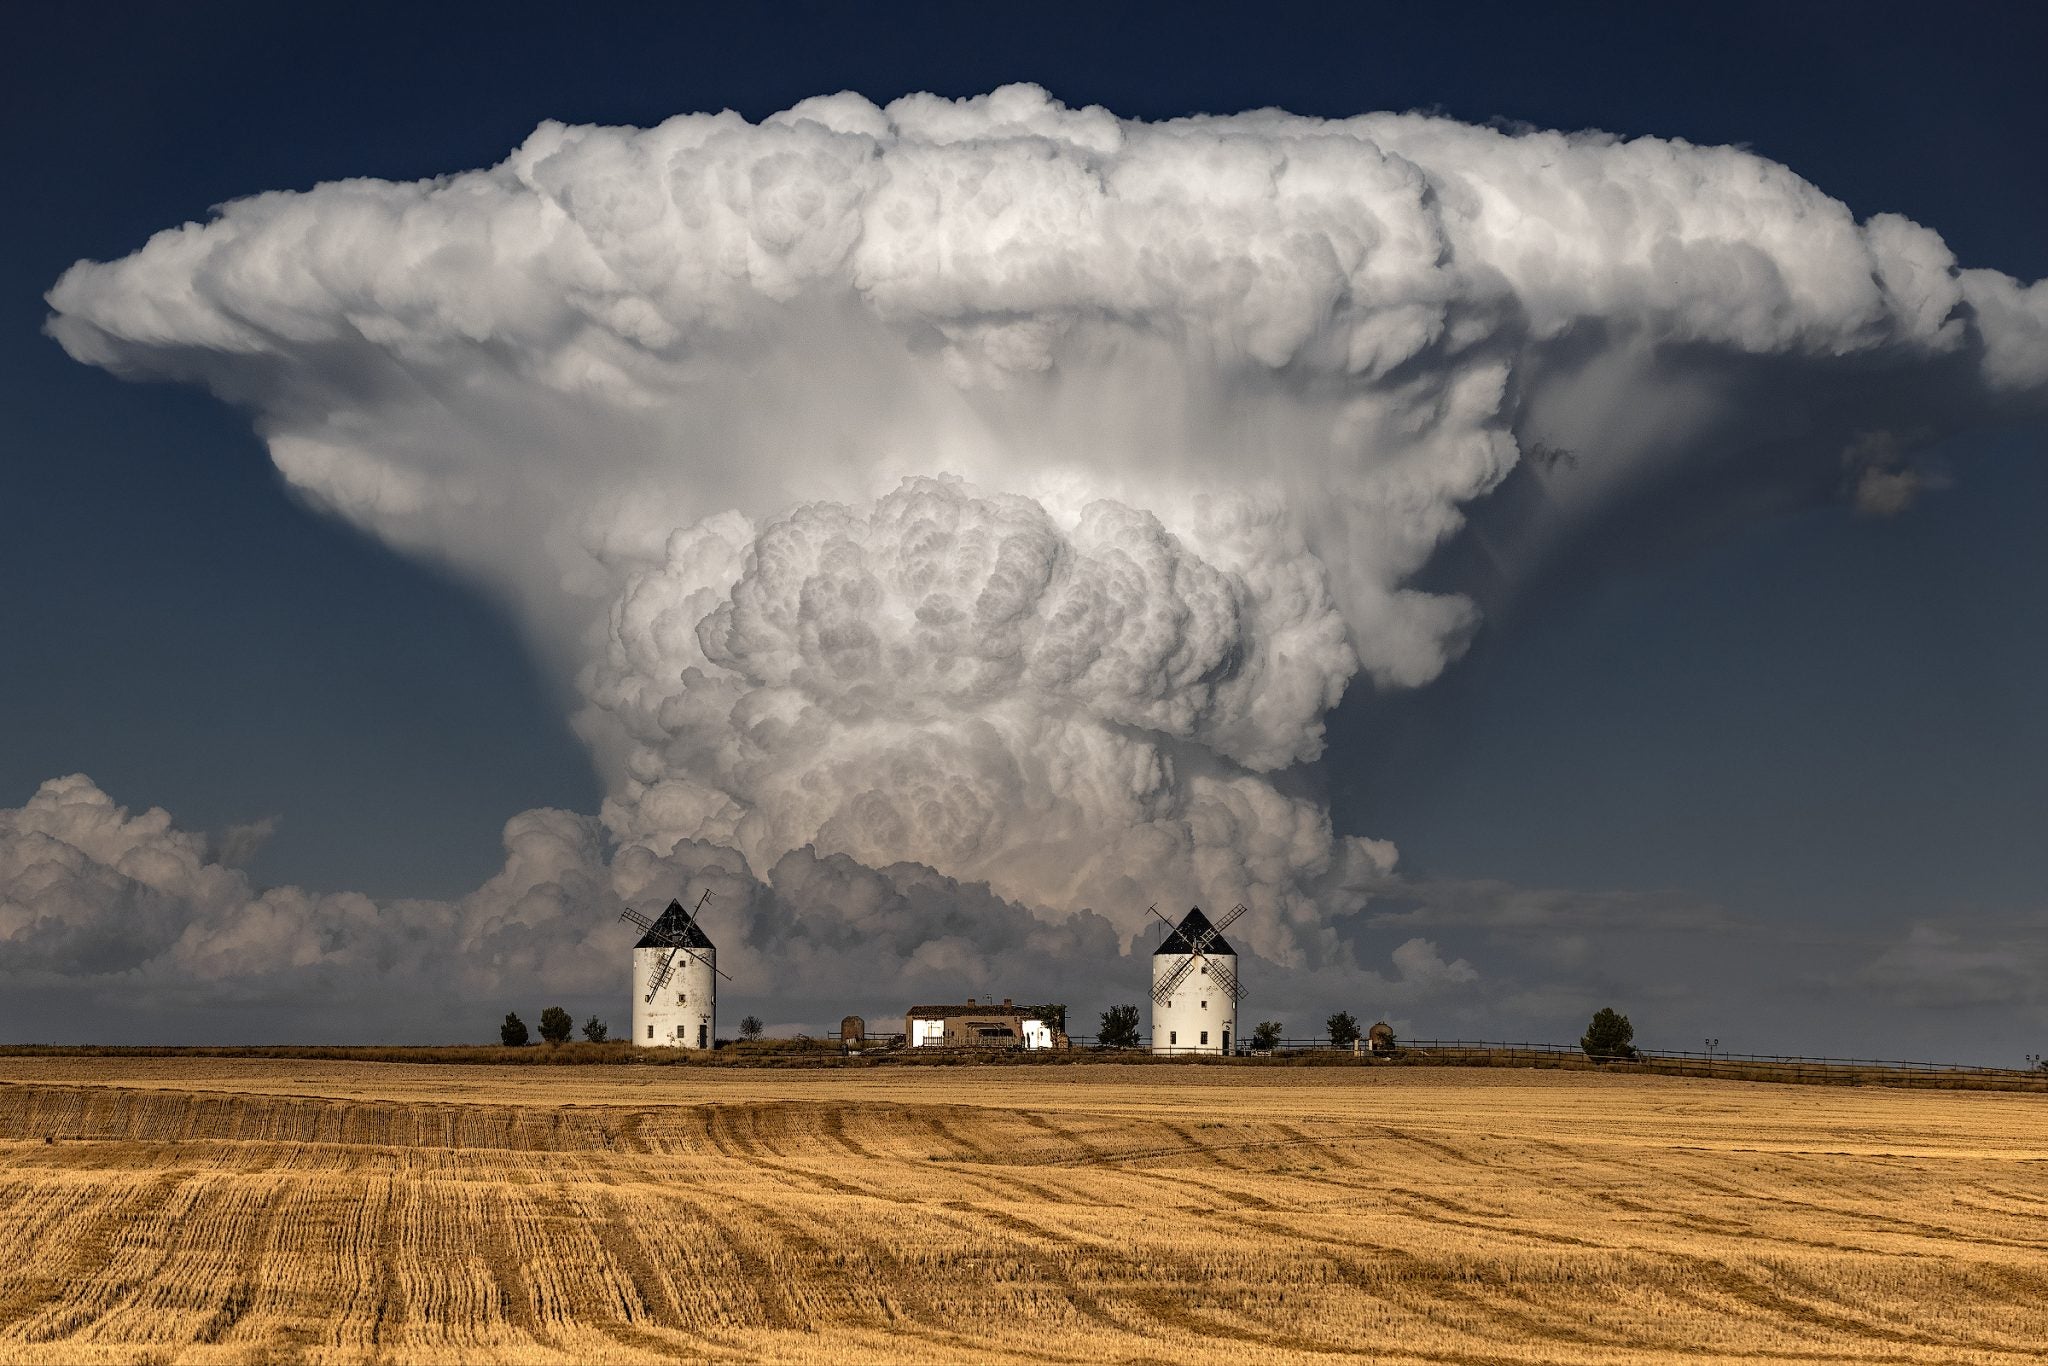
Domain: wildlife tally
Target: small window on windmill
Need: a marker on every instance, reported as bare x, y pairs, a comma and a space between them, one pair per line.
1205, 1036
1205, 969
1172, 1036
1205, 1005
680, 998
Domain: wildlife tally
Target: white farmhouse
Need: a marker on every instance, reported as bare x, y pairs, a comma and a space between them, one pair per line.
1195, 988
682, 1012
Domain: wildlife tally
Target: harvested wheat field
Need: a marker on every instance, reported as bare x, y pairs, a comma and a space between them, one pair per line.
228, 1210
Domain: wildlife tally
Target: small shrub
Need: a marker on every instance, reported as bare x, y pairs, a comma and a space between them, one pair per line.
750, 1028
1119, 1027
1266, 1034
1609, 1036
595, 1030
1343, 1029
512, 1033
555, 1025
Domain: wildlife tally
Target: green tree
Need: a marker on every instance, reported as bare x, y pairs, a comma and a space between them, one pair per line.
512, 1033
1054, 1015
750, 1028
1266, 1034
595, 1030
1609, 1036
1119, 1027
555, 1025
1343, 1029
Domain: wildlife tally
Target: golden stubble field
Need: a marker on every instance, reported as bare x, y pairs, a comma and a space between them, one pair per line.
226, 1210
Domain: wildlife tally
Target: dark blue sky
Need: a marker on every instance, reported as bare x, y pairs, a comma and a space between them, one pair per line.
1819, 718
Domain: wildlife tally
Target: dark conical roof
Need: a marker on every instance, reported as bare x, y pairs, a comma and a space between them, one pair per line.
674, 927
1190, 928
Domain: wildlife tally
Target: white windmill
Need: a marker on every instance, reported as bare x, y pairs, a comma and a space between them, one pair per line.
675, 980
1195, 988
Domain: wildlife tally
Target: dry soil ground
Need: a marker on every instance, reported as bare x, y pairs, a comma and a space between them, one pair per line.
225, 1210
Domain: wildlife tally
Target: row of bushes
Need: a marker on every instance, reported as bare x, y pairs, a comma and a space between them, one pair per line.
556, 1026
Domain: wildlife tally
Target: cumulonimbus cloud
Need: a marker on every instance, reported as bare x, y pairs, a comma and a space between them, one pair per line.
1011, 488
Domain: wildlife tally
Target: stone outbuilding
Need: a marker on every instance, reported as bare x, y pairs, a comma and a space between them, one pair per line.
976, 1025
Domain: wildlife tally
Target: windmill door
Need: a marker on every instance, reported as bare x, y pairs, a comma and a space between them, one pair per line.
1226, 1042
703, 1032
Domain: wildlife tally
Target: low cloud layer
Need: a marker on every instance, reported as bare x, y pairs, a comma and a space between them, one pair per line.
147, 926
118, 926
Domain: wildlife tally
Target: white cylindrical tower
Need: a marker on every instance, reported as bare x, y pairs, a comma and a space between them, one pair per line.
1198, 1014
684, 1011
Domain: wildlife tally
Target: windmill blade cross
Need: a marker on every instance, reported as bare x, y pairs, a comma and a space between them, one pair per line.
1228, 979
1165, 988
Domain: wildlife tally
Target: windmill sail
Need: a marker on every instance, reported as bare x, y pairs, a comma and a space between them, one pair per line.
1198, 939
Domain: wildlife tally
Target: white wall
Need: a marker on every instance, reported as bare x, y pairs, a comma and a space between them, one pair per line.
1198, 1006
683, 1014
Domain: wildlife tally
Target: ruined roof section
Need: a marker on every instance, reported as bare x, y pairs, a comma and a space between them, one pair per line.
675, 927
1191, 928
991, 1011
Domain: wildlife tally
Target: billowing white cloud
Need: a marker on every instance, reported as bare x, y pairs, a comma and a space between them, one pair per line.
1075, 712
1211, 393
1421, 964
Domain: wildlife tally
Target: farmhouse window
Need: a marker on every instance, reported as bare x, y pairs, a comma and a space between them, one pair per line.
1205, 1036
